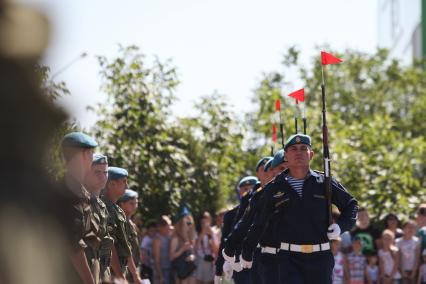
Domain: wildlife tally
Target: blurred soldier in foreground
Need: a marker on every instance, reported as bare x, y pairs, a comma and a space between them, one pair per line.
34, 220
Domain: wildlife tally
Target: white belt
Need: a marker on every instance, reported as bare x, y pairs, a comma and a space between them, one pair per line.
269, 250
305, 248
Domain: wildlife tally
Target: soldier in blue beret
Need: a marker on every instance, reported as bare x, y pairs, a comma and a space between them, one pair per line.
129, 203
261, 173
223, 267
295, 205
99, 254
239, 232
278, 163
77, 150
121, 250
267, 165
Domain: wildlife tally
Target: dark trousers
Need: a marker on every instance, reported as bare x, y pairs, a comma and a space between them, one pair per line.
268, 269
255, 273
301, 268
242, 277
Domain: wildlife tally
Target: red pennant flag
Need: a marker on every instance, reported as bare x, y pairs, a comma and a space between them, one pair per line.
327, 58
277, 105
299, 95
274, 133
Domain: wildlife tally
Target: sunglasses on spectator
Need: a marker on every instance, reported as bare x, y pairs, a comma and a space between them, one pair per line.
189, 223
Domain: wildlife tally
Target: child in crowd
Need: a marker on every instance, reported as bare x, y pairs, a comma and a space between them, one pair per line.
409, 250
356, 262
422, 270
340, 270
372, 270
389, 259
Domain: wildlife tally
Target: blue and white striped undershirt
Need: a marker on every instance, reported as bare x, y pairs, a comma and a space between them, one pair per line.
296, 184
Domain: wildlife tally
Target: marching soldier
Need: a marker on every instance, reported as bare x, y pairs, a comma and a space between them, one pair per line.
77, 149
235, 238
120, 252
99, 254
129, 203
229, 220
296, 210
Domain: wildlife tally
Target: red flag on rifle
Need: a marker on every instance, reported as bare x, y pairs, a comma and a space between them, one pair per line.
299, 95
277, 105
327, 58
274, 133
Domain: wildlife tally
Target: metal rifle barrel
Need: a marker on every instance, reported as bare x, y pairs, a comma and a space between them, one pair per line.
327, 169
304, 125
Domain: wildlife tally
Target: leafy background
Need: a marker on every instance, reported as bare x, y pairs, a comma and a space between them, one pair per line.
376, 114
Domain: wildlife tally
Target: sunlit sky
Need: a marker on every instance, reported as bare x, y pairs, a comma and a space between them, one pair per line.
216, 45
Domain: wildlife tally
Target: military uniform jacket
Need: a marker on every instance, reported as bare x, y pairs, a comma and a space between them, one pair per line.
117, 223
300, 220
81, 213
134, 241
103, 242
229, 220
237, 235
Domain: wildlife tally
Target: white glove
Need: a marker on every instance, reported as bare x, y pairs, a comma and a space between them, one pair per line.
227, 271
236, 266
246, 264
217, 279
228, 258
333, 232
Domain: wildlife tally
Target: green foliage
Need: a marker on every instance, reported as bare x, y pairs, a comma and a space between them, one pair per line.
376, 109
215, 150
53, 91
190, 160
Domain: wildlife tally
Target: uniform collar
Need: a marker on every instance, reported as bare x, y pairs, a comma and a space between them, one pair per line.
308, 175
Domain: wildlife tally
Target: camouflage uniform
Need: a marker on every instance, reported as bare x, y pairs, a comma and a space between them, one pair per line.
117, 223
99, 251
132, 234
81, 212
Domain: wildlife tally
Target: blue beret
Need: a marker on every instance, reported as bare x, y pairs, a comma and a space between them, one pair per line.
267, 166
262, 162
117, 173
298, 139
79, 140
252, 180
99, 159
128, 194
279, 158
182, 212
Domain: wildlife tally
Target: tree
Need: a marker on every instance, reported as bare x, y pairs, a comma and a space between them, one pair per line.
54, 91
375, 110
170, 160
215, 148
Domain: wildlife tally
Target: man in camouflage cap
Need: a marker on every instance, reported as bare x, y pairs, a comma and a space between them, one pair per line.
99, 252
129, 203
